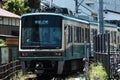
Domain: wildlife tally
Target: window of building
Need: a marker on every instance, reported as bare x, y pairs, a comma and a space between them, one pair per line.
1, 20
17, 22
13, 22
10, 21
5, 21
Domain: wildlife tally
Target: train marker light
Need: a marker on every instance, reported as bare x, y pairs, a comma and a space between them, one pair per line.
22, 54
59, 54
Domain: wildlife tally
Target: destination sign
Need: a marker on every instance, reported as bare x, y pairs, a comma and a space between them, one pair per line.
41, 22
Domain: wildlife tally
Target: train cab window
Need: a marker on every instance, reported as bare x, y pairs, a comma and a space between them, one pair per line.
41, 32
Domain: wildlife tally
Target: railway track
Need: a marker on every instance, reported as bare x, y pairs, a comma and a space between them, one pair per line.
75, 76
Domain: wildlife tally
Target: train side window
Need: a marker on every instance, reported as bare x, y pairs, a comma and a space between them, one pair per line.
95, 31
71, 32
79, 34
118, 39
106, 31
66, 31
75, 34
92, 34
114, 37
82, 34
86, 34
68, 34
111, 37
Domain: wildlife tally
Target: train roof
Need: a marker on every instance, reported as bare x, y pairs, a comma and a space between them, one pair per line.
66, 17
118, 28
106, 24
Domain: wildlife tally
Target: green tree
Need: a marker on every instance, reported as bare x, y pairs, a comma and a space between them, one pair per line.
33, 4
16, 6
2, 42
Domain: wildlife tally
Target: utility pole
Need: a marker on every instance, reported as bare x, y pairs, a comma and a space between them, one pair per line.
101, 25
51, 1
109, 72
101, 32
76, 6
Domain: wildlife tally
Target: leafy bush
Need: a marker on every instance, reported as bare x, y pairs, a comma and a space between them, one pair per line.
97, 72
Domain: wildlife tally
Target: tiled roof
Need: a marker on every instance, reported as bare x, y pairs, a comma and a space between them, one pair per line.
5, 13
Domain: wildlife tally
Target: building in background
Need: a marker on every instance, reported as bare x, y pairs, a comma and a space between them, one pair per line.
89, 9
9, 31
9, 23
111, 9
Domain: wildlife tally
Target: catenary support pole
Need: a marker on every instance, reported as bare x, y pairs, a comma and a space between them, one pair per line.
101, 26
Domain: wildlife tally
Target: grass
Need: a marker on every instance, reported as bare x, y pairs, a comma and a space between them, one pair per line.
96, 72
20, 76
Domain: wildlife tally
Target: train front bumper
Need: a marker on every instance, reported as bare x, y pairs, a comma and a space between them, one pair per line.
41, 58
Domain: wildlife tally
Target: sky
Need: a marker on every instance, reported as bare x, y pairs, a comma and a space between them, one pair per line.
70, 4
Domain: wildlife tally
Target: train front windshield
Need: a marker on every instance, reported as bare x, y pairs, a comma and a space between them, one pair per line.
41, 32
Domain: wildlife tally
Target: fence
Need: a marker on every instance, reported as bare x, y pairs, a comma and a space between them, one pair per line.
7, 70
105, 55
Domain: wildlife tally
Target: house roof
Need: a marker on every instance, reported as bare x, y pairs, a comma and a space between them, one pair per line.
111, 15
2, 35
112, 11
5, 13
